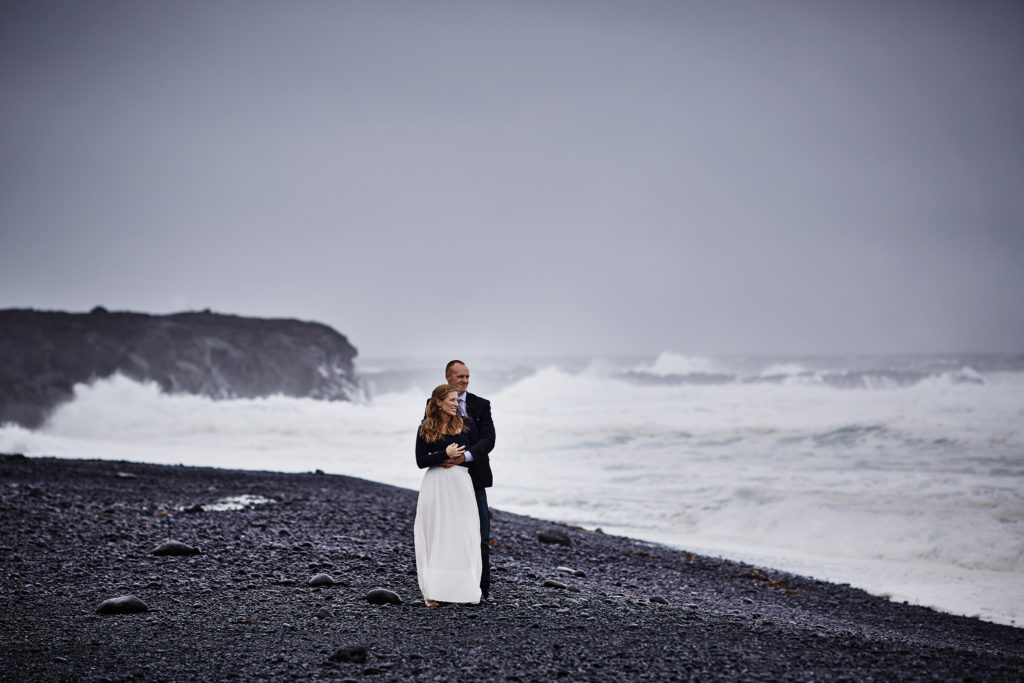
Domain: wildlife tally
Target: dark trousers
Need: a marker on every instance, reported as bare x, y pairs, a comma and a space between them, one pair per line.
485, 540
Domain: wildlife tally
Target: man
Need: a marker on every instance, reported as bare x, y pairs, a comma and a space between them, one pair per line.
477, 458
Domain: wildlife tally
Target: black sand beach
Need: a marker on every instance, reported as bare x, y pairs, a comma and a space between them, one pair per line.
76, 533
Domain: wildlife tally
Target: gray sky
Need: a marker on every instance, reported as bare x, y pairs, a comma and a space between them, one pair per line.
525, 177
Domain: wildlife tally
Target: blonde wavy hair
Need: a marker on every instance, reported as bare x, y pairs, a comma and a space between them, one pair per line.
431, 427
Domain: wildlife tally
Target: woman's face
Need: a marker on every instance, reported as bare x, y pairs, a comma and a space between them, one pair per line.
450, 404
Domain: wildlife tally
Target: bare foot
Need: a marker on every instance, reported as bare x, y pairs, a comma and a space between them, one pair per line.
430, 603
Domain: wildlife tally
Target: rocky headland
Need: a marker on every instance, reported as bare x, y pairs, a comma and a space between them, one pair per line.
117, 571
223, 356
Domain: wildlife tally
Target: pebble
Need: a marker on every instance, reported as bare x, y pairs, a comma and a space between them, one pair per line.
123, 604
556, 536
381, 596
349, 653
321, 580
658, 599
175, 548
194, 508
324, 613
554, 584
570, 570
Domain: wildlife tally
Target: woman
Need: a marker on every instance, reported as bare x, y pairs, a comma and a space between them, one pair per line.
447, 528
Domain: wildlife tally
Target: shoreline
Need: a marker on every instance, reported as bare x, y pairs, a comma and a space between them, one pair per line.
77, 532
809, 567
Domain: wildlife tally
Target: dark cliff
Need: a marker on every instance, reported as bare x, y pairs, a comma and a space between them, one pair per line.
44, 354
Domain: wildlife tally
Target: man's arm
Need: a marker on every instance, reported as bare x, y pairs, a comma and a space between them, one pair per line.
474, 436
481, 413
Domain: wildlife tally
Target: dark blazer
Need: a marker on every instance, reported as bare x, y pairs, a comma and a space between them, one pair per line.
433, 453
480, 469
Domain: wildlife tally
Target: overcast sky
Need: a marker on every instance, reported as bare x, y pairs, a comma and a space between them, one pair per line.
525, 177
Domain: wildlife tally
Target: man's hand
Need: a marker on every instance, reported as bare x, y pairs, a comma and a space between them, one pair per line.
456, 455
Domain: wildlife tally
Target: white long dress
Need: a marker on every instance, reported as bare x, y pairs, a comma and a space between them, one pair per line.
447, 532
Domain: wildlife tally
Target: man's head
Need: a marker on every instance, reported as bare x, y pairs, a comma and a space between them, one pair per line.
457, 374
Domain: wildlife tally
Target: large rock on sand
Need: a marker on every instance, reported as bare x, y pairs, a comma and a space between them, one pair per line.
382, 596
321, 580
349, 653
554, 537
123, 604
175, 548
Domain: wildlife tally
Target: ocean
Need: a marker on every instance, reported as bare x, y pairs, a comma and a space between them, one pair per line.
902, 475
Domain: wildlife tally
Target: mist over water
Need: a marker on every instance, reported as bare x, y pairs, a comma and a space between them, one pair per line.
901, 475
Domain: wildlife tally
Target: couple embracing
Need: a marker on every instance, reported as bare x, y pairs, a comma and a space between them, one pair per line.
452, 529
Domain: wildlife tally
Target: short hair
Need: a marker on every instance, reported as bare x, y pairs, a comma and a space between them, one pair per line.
451, 363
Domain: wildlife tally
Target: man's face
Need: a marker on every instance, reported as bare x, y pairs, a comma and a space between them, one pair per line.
458, 377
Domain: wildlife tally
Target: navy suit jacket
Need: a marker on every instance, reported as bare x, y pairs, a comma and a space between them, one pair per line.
480, 469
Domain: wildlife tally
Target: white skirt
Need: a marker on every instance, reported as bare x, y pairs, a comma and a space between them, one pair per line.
447, 532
